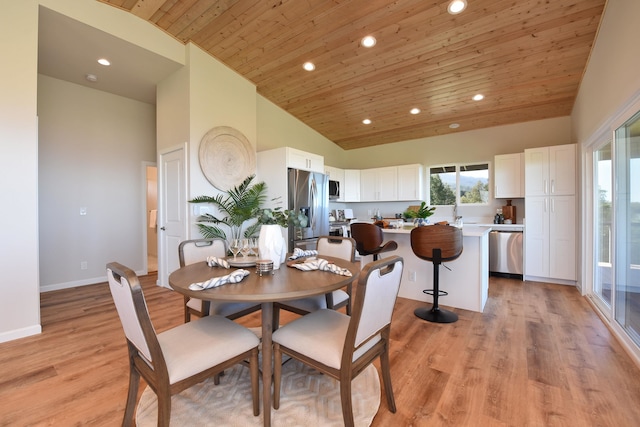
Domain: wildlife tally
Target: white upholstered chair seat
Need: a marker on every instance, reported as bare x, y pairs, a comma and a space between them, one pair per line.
320, 335
195, 346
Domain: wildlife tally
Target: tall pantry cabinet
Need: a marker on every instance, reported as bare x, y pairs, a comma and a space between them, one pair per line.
550, 206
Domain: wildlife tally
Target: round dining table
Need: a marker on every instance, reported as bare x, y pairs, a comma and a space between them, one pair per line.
286, 283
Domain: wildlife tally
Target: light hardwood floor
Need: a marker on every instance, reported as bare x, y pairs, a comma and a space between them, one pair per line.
537, 356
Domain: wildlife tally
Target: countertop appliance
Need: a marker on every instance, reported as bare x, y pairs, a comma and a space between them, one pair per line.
339, 228
505, 253
308, 193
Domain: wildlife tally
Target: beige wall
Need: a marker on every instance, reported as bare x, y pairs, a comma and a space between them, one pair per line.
612, 78
471, 146
19, 292
92, 149
277, 128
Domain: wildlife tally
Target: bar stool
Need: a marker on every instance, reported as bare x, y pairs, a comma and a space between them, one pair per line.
436, 243
369, 239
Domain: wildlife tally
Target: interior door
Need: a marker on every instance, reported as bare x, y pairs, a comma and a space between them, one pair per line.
172, 210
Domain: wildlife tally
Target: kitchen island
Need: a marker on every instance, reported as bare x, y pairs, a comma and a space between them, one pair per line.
467, 281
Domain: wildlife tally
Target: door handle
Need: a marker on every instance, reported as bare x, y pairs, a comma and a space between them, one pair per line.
162, 228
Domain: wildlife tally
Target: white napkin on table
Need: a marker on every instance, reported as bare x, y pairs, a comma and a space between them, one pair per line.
234, 277
322, 265
299, 253
214, 261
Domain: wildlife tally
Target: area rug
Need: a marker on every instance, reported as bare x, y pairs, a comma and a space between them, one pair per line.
308, 398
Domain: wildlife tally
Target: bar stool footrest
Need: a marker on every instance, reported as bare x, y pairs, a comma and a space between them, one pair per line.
432, 292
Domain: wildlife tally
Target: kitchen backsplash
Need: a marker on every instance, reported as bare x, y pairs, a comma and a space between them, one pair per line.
470, 214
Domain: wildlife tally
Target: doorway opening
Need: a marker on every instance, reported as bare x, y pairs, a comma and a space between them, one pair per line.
152, 218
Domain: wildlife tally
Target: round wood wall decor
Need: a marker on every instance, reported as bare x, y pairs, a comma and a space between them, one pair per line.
226, 157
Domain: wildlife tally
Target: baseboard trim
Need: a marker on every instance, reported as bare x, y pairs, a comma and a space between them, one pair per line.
20, 333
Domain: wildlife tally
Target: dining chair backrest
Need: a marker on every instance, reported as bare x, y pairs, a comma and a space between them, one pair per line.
132, 309
196, 250
375, 297
338, 247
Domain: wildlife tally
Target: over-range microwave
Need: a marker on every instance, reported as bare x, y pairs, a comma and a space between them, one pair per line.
334, 190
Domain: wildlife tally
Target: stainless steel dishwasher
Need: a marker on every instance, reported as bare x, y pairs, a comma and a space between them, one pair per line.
505, 252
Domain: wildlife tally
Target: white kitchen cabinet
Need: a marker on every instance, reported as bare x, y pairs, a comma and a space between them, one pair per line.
379, 184
351, 185
550, 237
550, 171
550, 213
299, 159
410, 182
508, 176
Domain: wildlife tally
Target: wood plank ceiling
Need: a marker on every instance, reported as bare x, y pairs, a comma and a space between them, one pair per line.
526, 57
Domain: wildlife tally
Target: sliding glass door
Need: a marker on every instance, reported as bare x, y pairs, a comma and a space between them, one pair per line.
627, 227
603, 237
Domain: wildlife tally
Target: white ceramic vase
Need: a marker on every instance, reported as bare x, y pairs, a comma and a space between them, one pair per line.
272, 245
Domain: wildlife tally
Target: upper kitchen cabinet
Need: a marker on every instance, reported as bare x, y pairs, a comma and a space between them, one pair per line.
379, 184
410, 182
550, 171
509, 176
298, 159
351, 191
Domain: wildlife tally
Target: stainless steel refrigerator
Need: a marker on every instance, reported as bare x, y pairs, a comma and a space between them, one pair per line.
308, 193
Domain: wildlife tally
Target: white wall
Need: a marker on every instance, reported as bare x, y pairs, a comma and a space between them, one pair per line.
19, 293
92, 146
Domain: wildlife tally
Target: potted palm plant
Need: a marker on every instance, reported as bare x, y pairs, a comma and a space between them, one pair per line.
239, 206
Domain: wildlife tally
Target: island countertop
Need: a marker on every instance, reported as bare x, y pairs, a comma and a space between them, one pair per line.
467, 230
466, 279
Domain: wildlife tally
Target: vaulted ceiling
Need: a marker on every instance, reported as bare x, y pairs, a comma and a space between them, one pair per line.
526, 57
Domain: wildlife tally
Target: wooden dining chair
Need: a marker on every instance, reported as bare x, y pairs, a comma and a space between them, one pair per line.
343, 346
178, 358
197, 250
333, 246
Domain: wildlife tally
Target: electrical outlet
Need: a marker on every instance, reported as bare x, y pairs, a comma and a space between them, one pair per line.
412, 276
83, 265
83, 211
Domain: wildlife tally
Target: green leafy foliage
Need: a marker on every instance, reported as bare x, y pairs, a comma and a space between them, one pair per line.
282, 217
423, 211
238, 205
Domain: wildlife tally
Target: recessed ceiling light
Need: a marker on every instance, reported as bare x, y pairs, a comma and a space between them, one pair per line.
104, 61
415, 111
368, 41
478, 97
366, 121
309, 66
454, 125
91, 77
457, 6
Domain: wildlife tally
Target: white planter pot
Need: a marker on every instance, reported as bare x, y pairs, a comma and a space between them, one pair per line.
272, 245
